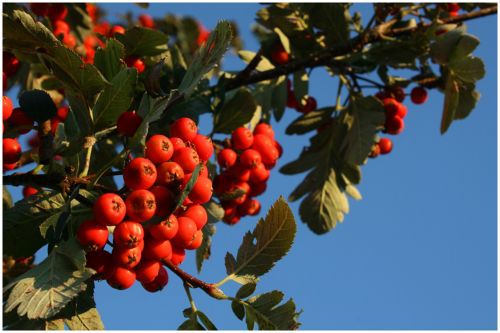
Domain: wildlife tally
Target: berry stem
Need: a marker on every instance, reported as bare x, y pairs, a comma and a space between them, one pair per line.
188, 293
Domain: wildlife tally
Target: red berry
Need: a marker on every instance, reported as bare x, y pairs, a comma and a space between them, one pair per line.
453, 7
170, 174
184, 128
11, 150
128, 123
54, 123
28, 191
279, 55
177, 143
7, 108
159, 149
166, 229
187, 158
398, 93
197, 240
60, 27
259, 174
5, 81
57, 11
201, 191
158, 283
385, 145
140, 174
128, 234
227, 157
20, 120
155, 249
147, 270
394, 125
178, 255
310, 105
117, 29
185, 234
250, 158
92, 235
9, 166
33, 140
164, 200
109, 209
265, 129
100, 261
203, 146
249, 207
136, 62
62, 113
266, 148
141, 205
394, 108
121, 278
146, 21
419, 95
10, 64
239, 172
203, 34
279, 148
231, 219
126, 257
257, 189
242, 138
291, 100
40, 9
198, 214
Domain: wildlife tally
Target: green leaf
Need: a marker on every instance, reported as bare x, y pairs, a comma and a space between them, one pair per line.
191, 324
107, 59
263, 65
189, 186
468, 69
269, 314
300, 84
444, 46
238, 309
450, 105
310, 121
333, 19
279, 98
465, 46
204, 251
467, 100
143, 41
205, 321
236, 112
207, 56
46, 289
81, 313
246, 290
7, 199
364, 118
283, 39
271, 239
115, 99
38, 105
215, 211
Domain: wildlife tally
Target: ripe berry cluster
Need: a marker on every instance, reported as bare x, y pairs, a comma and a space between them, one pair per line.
246, 162
395, 112
309, 105
147, 230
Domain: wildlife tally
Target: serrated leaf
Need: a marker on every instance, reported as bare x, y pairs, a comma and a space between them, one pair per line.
204, 251
246, 290
269, 314
263, 65
309, 121
364, 118
271, 239
37, 104
115, 99
468, 69
47, 288
279, 98
235, 112
333, 19
207, 56
143, 41
81, 313
107, 59
450, 103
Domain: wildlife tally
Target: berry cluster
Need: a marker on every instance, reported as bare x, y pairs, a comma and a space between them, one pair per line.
306, 106
246, 162
395, 112
147, 230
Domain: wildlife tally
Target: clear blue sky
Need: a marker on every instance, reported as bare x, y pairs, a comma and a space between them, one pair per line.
418, 252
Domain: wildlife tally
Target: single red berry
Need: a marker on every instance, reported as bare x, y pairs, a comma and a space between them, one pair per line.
109, 209
146, 21
279, 148
231, 219
139, 174
141, 205
229, 208
242, 138
155, 249
264, 145
185, 234
7, 108
136, 62
249, 207
40, 9
203, 146
394, 108
198, 214
309, 106
259, 174
33, 140
100, 261
178, 255
54, 123
20, 120
187, 158
159, 149
419, 95
147, 270
385, 145
453, 7
57, 11
227, 157
184, 128
128, 123
60, 27
128, 234
239, 172
250, 158
177, 143
265, 129
197, 240
121, 278
398, 93
158, 283
166, 229
394, 125
11, 150
381, 95
28, 191
92, 235
9, 166
126, 257
201, 191
164, 200
291, 100
117, 29
170, 174
257, 189
203, 34
279, 55
10, 64
62, 113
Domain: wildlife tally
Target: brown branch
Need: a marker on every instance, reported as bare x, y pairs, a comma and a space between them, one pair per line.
325, 57
194, 282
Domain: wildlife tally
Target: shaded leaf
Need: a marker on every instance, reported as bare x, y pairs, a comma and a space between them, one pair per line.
143, 41
189, 186
246, 290
37, 104
263, 65
450, 103
266, 310
309, 121
107, 59
300, 84
204, 251
236, 112
467, 100
466, 45
468, 69
238, 309
81, 313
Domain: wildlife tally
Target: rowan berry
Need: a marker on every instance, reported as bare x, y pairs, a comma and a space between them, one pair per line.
385, 145
141, 205
198, 214
250, 158
109, 209
227, 157
146, 21
187, 158
394, 108
57, 11
178, 255
139, 174
92, 235
7, 107
126, 257
11, 150
242, 138
249, 207
159, 149
100, 261
394, 125
28, 191
184, 128
279, 55
259, 174
136, 62
21, 121
265, 129
166, 229
128, 123
164, 200
128, 234
158, 283
201, 191
170, 174
155, 249
196, 242
121, 278
147, 270
419, 95
185, 234
203, 146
